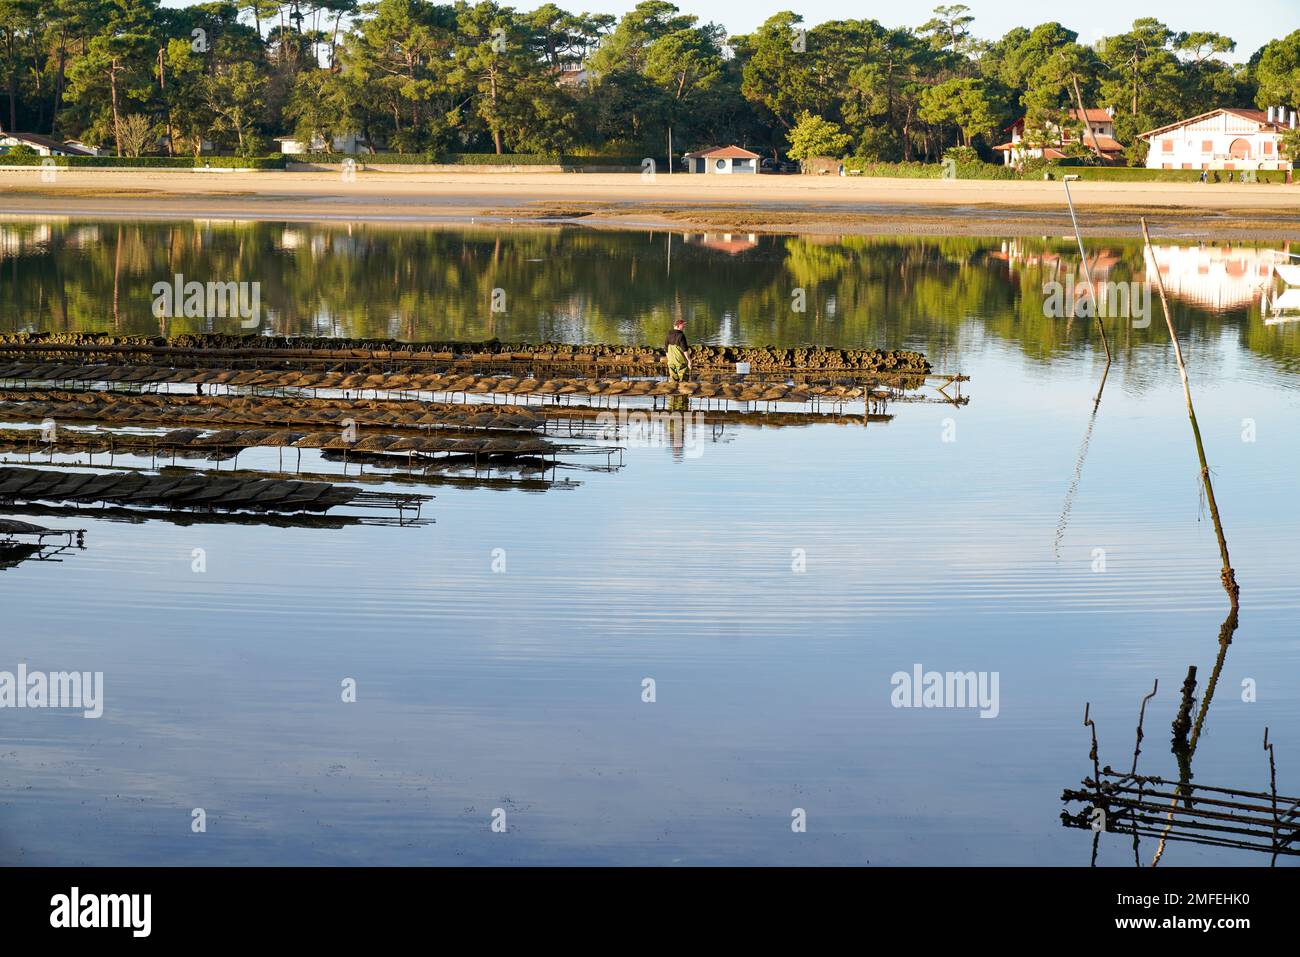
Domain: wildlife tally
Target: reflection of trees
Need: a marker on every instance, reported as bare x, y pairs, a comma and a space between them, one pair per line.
577, 284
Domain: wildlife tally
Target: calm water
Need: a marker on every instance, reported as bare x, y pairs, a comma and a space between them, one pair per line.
522, 690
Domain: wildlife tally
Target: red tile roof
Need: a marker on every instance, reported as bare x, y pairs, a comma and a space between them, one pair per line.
1094, 115
723, 152
1258, 116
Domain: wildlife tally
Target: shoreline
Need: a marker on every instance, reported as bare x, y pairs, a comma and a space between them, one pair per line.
791, 205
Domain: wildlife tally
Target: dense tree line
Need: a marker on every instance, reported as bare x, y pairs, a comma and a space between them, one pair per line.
415, 76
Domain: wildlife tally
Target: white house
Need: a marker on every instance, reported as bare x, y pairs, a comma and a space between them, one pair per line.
573, 75
1099, 135
347, 143
42, 144
1225, 138
722, 159
85, 147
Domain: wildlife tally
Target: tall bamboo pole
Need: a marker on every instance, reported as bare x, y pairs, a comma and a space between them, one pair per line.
1087, 277
1227, 575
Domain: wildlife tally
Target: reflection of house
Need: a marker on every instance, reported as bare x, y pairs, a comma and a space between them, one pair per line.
347, 143
43, 145
1053, 140
1017, 254
1221, 277
730, 243
722, 159
1222, 139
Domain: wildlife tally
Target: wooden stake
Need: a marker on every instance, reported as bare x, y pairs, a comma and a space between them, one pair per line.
1227, 575
1087, 277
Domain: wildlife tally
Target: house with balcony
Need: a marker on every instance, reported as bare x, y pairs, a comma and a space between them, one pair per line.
573, 74
1093, 127
1226, 138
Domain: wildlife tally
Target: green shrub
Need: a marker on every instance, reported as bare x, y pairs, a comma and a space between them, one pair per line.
1140, 174
275, 161
471, 159
964, 170
1036, 169
152, 162
962, 155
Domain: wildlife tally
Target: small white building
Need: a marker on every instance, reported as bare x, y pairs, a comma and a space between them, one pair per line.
347, 143
1226, 138
1097, 128
722, 159
43, 145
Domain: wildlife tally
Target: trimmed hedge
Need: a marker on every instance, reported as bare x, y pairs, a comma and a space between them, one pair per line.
156, 162
976, 170
471, 159
1114, 174
1140, 174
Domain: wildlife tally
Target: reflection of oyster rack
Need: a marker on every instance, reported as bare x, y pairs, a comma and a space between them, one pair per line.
197, 492
1140, 805
1145, 806
23, 541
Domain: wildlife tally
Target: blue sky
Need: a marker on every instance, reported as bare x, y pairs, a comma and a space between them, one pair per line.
1251, 25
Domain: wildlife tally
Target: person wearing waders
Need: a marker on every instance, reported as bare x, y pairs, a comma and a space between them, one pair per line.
679, 355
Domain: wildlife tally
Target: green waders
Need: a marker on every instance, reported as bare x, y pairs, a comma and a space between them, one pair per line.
677, 365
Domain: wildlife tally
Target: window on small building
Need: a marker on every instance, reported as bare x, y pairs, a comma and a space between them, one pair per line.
1166, 146
1207, 146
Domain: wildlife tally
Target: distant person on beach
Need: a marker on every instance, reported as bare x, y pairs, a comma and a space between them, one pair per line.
679, 352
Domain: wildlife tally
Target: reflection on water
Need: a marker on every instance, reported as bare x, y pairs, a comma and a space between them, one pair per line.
23, 541
580, 285
1219, 277
1181, 811
769, 580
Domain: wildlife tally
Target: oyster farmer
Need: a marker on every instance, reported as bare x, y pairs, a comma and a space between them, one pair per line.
679, 354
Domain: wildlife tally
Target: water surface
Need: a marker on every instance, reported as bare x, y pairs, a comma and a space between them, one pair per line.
522, 690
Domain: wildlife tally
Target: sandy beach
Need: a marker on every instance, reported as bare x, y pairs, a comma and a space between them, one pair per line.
786, 204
